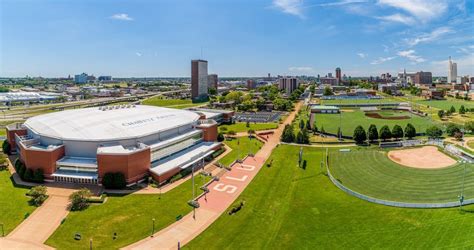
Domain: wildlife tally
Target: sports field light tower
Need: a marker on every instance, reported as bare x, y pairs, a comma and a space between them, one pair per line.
461, 197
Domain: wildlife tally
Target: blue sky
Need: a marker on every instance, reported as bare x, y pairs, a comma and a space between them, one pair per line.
237, 37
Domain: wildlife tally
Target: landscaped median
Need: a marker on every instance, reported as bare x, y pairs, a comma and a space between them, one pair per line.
129, 217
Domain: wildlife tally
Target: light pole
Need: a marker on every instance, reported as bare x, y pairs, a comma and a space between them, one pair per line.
90, 244
3, 232
461, 197
153, 227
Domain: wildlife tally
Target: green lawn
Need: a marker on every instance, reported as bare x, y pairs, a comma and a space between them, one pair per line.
371, 172
159, 101
287, 207
13, 203
350, 120
358, 101
242, 126
471, 143
241, 147
129, 216
446, 104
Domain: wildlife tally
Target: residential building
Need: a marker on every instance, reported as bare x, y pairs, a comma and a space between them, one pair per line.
213, 80
289, 84
423, 78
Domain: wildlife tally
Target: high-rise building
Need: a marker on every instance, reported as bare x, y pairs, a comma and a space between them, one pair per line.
251, 84
452, 71
199, 79
213, 79
82, 78
338, 75
423, 78
289, 84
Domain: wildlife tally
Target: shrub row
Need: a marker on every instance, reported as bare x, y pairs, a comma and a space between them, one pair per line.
114, 180
27, 174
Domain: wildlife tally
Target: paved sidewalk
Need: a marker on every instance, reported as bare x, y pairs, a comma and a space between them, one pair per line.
222, 194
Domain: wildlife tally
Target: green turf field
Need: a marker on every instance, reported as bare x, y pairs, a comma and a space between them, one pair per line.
287, 207
13, 203
242, 127
358, 101
446, 104
129, 216
159, 101
241, 146
371, 172
350, 120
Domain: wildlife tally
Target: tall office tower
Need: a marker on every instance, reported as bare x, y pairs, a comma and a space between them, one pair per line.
338, 75
289, 84
452, 71
213, 80
199, 79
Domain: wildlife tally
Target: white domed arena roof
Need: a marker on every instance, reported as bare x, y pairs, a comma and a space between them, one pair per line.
109, 123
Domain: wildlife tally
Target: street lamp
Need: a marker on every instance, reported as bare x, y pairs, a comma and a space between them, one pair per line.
153, 228
461, 197
3, 232
90, 244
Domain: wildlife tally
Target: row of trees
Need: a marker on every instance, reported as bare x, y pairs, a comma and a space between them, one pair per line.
27, 174
361, 136
462, 110
289, 136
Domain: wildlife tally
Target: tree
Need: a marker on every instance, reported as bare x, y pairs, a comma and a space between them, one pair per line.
434, 132
462, 110
38, 176
458, 136
21, 171
322, 130
385, 133
299, 137
235, 96
441, 114
302, 124
373, 134
6, 147
231, 133
28, 175
80, 199
452, 128
38, 195
220, 137
212, 91
247, 124
452, 110
308, 125
315, 127
469, 126
251, 132
119, 181
327, 91
359, 135
288, 134
397, 132
410, 131
305, 135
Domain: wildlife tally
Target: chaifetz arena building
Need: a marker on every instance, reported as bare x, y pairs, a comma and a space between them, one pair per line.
82, 145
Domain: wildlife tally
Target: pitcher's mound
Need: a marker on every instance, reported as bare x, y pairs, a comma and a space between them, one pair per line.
425, 157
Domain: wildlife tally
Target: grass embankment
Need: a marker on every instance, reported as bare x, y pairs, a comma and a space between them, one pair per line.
371, 172
241, 147
287, 207
14, 204
242, 127
129, 216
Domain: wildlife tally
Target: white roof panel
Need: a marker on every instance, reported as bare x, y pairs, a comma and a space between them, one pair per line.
94, 124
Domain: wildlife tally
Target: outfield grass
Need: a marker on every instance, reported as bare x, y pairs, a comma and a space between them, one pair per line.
13, 203
129, 216
242, 127
241, 146
287, 207
358, 101
446, 104
371, 172
352, 118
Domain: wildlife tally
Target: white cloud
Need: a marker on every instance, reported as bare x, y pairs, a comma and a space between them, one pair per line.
382, 60
429, 37
362, 55
303, 69
424, 10
398, 18
341, 2
138, 54
410, 55
292, 7
121, 17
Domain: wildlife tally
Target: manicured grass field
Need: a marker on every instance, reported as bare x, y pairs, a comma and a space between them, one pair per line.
350, 120
13, 203
371, 172
446, 104
129, 216
471, 143
358, 101
287, 207
159, 101
242, 126
241, 147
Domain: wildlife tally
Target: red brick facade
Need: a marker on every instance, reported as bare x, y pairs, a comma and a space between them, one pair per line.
133, 166
209, 132
11, 136
41, 159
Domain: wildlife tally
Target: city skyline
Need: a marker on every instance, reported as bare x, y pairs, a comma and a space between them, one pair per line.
286, 37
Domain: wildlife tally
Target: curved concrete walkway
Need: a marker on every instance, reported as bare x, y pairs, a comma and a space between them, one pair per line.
222, 194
